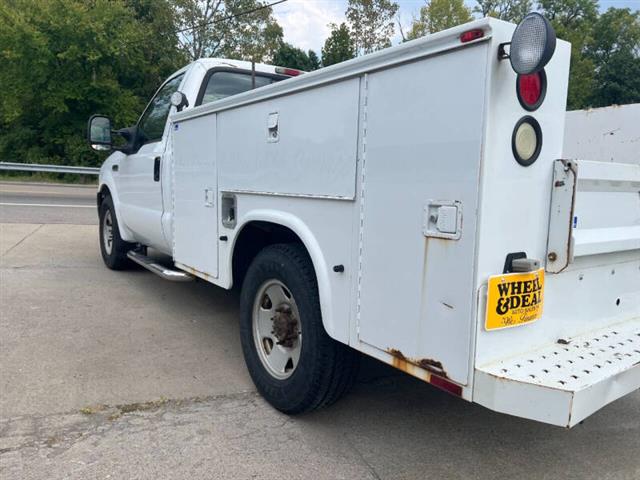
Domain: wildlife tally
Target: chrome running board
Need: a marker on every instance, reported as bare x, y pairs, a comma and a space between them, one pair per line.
160, 270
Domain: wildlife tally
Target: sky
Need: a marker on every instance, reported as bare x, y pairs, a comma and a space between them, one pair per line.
305, 22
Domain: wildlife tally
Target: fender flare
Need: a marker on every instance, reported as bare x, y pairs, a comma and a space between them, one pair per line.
300, 228
106, 181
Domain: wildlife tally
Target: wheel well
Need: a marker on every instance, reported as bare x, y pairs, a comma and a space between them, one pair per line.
254, 237
102, 194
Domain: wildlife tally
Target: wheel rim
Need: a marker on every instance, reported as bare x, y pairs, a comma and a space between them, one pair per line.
107, 232
276, 329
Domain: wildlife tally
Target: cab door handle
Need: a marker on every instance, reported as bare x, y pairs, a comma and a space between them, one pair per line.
156, 169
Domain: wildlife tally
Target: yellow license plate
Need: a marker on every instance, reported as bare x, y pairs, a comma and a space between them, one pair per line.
514, 299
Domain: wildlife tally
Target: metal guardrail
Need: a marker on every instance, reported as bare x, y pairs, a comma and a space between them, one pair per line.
36, 167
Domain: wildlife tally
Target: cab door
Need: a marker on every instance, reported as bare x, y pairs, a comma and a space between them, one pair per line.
139, 176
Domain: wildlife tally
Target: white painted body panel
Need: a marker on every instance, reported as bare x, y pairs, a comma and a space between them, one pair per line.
362, 154
414, 295
609, 134
141, 202
315, 154
514, 206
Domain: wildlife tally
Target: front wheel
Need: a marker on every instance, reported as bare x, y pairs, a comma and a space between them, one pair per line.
294, 364
113, 248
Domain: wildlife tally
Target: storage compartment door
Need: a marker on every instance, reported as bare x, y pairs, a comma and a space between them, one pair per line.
195, 195
422, 161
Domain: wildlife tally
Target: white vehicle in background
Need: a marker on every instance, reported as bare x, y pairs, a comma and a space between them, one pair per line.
412, 204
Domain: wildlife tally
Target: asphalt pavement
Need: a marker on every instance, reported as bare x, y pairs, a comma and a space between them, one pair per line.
48, 203
123, 375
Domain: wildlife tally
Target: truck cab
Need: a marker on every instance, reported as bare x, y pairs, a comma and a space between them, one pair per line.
134, 175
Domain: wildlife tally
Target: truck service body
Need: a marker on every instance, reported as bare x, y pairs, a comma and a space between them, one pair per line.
434, 248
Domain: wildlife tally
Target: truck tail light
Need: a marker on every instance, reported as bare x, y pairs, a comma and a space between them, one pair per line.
531, 90
526, 141
292, 72
470, 35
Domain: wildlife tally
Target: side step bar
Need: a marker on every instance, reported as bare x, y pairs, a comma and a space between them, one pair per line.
160, 270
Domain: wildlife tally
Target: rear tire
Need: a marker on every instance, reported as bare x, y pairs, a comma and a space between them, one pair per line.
113, 248
294, 364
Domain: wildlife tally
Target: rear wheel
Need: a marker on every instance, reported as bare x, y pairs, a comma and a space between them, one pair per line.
294, 364
113, 248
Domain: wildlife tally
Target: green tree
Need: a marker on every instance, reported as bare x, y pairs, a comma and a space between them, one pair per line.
63, 60
569, 14
439, 15
371, 23
159, 29
256, 36
573, 21
509, 10
339, 46
314, 61
614, 49
289, 56
224, 28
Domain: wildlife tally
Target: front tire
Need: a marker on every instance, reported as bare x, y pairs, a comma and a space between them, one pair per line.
113, 248
294, 364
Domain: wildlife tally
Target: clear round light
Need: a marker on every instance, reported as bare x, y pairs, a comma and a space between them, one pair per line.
526, 141
532, 44
176, 99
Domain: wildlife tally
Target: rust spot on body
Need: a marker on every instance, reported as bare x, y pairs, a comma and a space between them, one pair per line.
396, 353
407, 365
433, 366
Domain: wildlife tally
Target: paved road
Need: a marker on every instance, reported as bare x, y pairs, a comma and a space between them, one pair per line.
123, 375
46, 203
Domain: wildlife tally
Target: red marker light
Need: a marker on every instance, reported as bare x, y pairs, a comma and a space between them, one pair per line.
446, 385
292, 72
531, 89
470, 35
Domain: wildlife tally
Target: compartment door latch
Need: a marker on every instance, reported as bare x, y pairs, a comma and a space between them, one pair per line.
273, 135
443, 219
209, 196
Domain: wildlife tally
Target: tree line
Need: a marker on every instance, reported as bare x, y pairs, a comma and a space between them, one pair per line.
63, 60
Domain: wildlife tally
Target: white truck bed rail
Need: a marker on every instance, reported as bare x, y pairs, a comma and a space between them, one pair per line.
594, 210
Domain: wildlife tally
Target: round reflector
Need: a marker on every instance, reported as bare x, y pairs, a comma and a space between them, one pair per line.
526, 141
531, 90
532, 44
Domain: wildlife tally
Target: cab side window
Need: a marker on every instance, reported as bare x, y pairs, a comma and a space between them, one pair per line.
224, 84
152, 122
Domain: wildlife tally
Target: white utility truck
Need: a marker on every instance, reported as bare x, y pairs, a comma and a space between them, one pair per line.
412, 204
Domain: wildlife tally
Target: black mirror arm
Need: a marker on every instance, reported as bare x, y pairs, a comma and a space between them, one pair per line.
502, 52
132, 138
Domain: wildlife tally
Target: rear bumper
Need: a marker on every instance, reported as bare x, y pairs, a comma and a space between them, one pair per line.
562, 384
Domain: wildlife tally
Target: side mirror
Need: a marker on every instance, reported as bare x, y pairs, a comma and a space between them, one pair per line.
99, 133
179, 100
